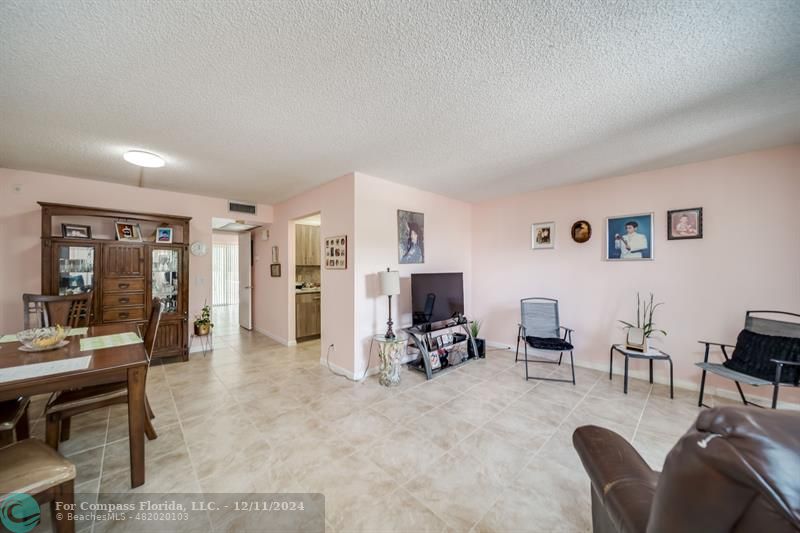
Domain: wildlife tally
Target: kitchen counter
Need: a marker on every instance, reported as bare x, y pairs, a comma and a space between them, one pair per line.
305, 291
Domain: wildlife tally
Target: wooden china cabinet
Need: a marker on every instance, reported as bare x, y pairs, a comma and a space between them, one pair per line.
124, 275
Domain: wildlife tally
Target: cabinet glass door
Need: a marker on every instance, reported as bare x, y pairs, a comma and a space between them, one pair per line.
165, 282
75, 269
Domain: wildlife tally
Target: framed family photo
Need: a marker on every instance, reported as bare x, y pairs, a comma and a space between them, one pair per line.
685, 224
127, 231
76, 231
543, 236
629, 238
336, 252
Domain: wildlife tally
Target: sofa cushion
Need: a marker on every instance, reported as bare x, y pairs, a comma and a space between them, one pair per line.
753, 353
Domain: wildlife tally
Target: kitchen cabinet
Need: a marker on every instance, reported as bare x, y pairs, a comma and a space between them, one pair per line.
307, 245
307, 315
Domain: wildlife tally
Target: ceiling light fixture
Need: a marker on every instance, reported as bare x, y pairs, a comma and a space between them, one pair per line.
143, 159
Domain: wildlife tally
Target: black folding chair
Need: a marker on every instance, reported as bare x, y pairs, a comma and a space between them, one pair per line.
539, 327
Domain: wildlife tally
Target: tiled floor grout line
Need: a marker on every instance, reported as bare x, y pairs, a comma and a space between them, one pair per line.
102, 460
641, 415
186, 444
542, 447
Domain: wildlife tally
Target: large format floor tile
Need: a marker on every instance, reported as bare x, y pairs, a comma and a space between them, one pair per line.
478, 448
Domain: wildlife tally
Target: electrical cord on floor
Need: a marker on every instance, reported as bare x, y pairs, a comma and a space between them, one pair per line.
366, 370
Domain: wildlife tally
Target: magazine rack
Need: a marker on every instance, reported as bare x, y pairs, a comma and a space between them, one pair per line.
422, 336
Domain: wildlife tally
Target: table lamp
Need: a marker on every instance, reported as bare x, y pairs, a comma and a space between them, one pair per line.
390, 285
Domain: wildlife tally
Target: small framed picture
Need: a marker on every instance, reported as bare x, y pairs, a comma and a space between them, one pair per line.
164, 235
76, 231
336, 252
685, 224
275, 270
275, 254
581, 231
629, 238
127, 231
543, 235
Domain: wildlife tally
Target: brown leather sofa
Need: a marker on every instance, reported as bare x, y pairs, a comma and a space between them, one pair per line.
737, 469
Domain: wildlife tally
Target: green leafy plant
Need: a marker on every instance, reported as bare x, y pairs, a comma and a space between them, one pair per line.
204, 318
645, 309
475, 328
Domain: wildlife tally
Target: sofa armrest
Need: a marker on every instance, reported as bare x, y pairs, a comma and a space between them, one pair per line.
621, 479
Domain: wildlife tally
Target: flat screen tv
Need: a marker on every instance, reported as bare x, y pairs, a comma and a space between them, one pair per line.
436, 297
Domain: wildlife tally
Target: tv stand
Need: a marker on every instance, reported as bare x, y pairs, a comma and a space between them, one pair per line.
420, 336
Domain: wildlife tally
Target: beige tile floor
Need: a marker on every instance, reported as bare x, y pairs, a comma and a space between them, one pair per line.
478, 448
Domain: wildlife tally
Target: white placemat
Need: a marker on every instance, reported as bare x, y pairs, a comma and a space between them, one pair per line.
48, 368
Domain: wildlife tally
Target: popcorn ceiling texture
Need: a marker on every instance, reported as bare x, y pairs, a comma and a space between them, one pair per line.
262, 100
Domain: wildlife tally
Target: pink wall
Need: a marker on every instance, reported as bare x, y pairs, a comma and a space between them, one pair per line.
225, 237
448, 248
749, 257
274, 297
20, 229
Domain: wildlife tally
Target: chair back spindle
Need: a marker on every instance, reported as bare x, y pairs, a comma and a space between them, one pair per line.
152, 328
73, 310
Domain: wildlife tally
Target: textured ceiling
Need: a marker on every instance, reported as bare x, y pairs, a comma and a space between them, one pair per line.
261, 100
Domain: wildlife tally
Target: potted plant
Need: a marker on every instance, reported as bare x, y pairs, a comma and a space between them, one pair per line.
638, 334
475, 329
202, 322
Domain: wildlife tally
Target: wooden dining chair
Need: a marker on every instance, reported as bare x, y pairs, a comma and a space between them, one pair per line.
62, 406
72, 310
32, 470
14, 419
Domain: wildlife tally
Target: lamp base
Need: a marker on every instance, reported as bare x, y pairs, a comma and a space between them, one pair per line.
389, 332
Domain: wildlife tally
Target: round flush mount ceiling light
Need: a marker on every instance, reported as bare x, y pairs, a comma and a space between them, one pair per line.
143, 159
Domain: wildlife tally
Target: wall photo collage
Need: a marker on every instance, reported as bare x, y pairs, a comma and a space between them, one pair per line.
627, 237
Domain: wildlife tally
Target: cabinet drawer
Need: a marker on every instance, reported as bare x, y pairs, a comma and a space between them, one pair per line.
123, 298
123, 285
123, 314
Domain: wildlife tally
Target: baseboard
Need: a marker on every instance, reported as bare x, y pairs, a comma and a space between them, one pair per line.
662, 379
343, 371
276, 338
498, 345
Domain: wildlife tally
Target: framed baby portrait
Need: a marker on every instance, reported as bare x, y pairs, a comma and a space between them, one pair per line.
685, 224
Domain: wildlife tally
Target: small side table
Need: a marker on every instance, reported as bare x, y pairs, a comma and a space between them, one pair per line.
390, 352
651, 355
206, 342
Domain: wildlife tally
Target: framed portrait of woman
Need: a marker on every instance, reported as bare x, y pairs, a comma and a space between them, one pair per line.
410, 237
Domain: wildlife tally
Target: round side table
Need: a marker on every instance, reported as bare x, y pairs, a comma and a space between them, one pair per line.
390, 352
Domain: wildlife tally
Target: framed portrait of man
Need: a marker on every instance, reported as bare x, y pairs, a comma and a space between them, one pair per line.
685, 224
629, 238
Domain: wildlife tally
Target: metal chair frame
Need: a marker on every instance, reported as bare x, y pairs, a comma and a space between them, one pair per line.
756, 324
521, 336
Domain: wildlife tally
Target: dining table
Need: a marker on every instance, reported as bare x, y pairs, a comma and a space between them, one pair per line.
25, 373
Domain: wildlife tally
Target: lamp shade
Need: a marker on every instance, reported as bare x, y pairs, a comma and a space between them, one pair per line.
390, 282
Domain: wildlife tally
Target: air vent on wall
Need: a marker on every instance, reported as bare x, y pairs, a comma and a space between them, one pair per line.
240, 207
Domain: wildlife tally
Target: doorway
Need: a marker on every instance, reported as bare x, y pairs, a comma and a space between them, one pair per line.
307, 278
225, 282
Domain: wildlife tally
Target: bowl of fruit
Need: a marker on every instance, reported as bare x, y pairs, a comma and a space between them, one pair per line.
41, 339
